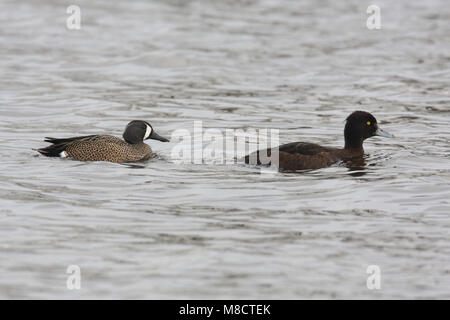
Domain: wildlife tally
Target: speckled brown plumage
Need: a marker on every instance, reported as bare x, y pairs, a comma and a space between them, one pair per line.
107, 148
100, 148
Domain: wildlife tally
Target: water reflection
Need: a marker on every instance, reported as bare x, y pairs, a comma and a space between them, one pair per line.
356, 166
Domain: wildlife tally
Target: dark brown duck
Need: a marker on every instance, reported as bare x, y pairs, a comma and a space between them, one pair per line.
295, 156
106, 147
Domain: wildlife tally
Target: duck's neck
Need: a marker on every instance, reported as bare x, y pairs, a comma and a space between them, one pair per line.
353, 138
352, 150
353, 144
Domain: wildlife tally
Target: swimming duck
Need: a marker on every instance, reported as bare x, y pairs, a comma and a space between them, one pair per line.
295, 156
106, 147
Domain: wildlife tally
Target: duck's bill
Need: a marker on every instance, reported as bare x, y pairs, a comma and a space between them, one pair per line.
156, 136
383, 133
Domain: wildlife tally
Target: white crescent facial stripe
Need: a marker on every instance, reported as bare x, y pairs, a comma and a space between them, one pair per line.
148, 132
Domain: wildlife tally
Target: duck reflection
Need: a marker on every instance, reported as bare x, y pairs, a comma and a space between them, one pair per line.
356, 166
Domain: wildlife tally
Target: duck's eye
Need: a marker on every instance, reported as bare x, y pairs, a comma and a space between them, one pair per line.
368, 123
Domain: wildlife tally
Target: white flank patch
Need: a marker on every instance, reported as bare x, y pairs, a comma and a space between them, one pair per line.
148, 132
63, 154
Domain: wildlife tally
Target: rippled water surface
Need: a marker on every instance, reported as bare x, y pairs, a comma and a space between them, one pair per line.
164, 229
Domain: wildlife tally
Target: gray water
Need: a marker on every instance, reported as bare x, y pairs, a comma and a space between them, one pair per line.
164, 229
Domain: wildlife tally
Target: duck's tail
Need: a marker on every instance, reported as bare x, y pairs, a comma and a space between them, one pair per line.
56, 149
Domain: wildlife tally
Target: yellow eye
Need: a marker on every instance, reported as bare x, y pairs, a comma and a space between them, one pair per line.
368, 123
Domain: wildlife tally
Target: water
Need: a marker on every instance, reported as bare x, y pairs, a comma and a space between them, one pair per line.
163, 229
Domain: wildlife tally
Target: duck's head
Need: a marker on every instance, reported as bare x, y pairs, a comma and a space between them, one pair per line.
360, 126
138, 131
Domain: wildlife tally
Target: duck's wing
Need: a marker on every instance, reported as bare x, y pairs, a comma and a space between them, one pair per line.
303, 148
67, 140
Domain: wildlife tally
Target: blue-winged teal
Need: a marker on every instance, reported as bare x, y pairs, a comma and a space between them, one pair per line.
105, 147
301, 155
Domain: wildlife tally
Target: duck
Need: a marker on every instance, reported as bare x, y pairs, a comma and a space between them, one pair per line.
295, 156
106, 147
